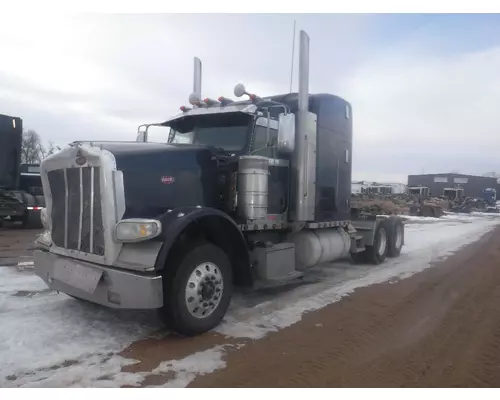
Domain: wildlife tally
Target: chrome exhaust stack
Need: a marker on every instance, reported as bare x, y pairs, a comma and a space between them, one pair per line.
197, 74
303, 76
304, 159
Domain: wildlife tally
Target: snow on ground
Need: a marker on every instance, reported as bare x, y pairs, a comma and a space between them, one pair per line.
424, 243
50, 339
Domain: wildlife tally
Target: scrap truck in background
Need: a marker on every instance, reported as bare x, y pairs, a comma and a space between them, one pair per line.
249, 193
21, 194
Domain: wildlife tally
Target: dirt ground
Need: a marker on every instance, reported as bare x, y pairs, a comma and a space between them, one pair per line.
16, 244
439, 328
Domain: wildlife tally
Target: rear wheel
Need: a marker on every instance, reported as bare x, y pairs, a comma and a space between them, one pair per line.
359, 258
32, 220
377, 253
395, 239
197, 290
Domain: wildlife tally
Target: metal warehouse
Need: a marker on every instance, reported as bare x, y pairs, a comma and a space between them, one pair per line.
439, 184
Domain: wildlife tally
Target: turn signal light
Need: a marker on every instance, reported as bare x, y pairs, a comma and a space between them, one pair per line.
137, 230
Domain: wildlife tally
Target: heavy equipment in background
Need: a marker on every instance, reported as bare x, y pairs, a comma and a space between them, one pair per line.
453, 194
486, 202
249, 193
420, 191
21, 194
489, 195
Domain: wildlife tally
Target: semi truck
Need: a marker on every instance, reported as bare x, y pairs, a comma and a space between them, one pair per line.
21, 194
244, 194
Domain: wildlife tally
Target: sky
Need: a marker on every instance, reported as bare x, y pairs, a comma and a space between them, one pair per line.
424, 88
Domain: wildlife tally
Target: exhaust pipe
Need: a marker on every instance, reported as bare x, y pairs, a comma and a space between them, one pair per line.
304, 73
302, 211
197, 77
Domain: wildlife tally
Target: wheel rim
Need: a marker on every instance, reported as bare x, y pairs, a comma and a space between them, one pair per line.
382, 243
399, 237
204, 290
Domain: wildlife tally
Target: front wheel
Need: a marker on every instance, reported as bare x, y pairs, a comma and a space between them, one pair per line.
197, 290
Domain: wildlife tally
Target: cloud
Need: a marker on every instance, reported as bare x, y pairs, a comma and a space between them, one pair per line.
416, 107
80, 76
434, 114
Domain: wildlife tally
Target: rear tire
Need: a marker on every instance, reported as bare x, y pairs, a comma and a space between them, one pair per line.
359, 258
395, 237
377, 253
32, 220
197, 289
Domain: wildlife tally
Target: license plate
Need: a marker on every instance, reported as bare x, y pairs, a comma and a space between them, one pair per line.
77, 275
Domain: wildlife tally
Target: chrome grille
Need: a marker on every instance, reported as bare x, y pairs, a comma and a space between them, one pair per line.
76, 209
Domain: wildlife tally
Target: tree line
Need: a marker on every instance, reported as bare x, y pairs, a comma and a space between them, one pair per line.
33, 151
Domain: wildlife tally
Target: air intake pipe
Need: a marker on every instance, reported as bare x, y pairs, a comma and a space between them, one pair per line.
197, 78
300, 162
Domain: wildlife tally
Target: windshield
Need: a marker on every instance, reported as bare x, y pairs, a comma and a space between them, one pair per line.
226, 131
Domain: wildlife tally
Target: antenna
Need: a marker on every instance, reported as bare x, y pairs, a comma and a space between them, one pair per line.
293, 54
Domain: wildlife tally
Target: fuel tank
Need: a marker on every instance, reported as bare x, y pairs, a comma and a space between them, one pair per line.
158, 177
313, 247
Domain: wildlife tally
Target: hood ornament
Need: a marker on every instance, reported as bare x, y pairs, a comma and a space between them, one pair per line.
80, 159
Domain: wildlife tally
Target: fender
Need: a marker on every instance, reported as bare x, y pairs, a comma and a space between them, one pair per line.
177, 220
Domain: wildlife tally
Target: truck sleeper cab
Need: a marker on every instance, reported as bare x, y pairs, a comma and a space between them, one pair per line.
237, 197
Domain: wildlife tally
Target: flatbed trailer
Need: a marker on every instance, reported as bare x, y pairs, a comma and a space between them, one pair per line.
21, 194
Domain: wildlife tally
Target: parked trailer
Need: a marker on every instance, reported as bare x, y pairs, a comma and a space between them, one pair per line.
21, 195
245, 193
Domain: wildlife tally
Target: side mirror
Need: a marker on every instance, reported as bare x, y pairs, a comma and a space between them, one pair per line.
286, 133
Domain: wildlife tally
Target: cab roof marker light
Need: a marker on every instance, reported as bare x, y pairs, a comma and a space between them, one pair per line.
225, 101
185, 109
211, 102
254, 98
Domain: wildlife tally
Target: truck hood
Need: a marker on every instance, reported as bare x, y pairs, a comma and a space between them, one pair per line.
158, 177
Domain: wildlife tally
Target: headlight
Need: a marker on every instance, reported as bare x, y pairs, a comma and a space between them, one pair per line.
136, 230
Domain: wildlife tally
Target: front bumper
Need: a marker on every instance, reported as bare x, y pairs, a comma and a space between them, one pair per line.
106, 286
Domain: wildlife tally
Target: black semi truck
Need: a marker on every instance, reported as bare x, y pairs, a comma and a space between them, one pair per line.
245, 193
21, 194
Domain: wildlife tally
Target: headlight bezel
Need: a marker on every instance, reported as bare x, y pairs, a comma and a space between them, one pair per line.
134, 230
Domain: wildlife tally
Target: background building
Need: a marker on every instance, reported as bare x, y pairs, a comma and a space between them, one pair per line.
377, 187
472, 185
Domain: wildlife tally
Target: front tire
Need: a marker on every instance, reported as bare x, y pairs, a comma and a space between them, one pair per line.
197, 290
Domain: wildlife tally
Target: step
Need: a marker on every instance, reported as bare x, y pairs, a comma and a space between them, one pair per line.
359, 250
290, 279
